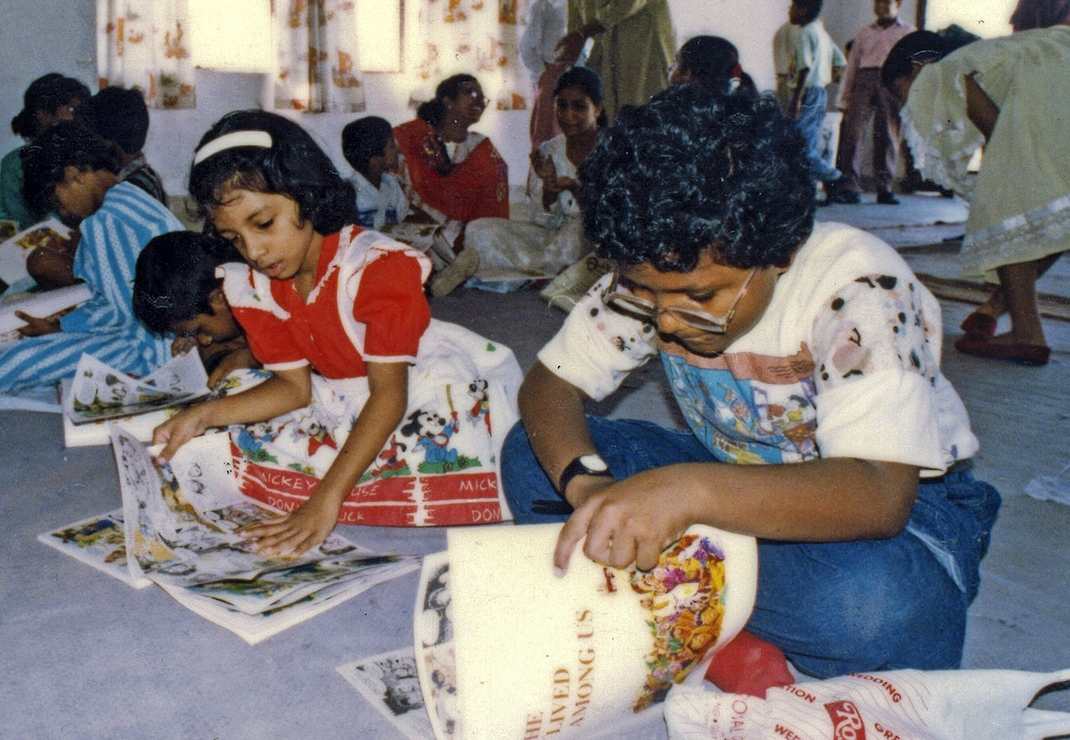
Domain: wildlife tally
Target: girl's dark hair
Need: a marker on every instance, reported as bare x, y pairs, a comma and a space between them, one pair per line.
46, 93
175, 277
365, 138
587, 81
67, 144
434, 111
293, 166
713, 62
922, 47
691, 171
1031, 14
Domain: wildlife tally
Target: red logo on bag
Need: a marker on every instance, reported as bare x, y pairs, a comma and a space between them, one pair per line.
846, 721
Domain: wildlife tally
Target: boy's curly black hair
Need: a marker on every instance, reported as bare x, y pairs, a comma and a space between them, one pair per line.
45, 161
175, 276
691, 170
294, 166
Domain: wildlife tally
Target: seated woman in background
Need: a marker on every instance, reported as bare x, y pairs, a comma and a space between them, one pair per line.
712, 62
71, 168
48, 100
553, 240
453, 174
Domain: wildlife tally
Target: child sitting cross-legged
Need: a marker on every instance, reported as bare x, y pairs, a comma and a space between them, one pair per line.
72, 169
176, 291
805, 359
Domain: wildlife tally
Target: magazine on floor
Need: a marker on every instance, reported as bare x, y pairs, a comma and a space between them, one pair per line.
184, 524
98, 541
100, 392
506, 649
48, 304
141, 425
391, 684
50, 234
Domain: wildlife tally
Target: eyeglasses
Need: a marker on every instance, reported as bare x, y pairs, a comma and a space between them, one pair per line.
476, 95
648, 311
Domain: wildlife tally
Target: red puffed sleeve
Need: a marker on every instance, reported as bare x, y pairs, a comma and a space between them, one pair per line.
390, 302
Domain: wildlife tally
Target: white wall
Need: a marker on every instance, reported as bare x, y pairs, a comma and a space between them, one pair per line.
61, 32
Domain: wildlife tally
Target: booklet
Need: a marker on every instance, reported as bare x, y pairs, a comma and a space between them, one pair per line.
184, 524
142, 424
48, 304
181, 527
102, 392
389, 681
505, 649
13, 252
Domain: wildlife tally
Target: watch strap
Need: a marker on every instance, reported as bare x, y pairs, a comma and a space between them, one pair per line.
574, 468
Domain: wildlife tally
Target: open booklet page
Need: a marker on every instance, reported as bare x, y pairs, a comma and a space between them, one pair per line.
102, 392
389, 681
49, 234
184, 524
99, 541
507, 650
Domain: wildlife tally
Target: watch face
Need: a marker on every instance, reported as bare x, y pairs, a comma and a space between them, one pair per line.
594, 463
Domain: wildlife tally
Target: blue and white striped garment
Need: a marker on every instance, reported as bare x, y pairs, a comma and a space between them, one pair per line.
105, 325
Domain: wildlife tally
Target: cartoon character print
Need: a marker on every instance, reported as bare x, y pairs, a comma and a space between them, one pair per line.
875, 323
433, 432
477, 389
390, 457
250, 439
318, 436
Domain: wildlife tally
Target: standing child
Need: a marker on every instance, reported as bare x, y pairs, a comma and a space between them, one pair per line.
547, 22
805, 360
176, 291
337, 314
369, 146
816, 64
74, 170
864, 99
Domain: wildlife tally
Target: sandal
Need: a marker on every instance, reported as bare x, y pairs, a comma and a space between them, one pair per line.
979, 326
1023, 354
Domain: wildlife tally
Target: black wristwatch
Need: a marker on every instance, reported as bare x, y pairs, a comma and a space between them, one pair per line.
582, 465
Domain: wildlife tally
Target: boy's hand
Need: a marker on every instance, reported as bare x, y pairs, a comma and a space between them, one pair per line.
180, 345
36, 327
179, 429
236, 359
631, 520
295, 533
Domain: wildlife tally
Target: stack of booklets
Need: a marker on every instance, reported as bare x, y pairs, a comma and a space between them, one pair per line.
99, 394
181, 527
504, 649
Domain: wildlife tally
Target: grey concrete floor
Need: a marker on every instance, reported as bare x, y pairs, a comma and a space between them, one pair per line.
84, 655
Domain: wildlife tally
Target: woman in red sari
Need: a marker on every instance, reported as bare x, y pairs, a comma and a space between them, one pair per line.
451, 172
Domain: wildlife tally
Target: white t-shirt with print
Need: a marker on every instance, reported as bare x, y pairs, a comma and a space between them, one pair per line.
378, 206
843, 363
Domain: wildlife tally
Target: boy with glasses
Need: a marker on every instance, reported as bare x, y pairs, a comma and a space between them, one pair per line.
805, 361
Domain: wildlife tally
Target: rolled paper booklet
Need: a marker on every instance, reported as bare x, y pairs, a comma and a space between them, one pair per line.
507, 650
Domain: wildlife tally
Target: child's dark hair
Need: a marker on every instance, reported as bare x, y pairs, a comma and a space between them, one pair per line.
363, 139
811, 8
692, 170
1031, 14
587, 81
293, 165
175, 277
67, 144
47, 93
119, 115
713, 62
922, 47
434, 111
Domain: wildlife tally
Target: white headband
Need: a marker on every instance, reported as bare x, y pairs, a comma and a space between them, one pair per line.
229, 141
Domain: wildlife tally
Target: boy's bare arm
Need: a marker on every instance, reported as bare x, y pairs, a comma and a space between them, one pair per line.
800, 89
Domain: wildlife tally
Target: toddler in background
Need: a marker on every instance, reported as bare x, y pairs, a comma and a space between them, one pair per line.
73, 169
121, 117
176, 291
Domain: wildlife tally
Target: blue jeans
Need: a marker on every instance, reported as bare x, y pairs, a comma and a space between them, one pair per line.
811, 116
833, 608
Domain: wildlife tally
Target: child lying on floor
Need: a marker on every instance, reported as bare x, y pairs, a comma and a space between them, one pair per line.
805, 360
72, 169
176, 291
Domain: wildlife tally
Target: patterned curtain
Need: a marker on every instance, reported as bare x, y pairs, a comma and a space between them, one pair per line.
479, 37
316, 56
142, 44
